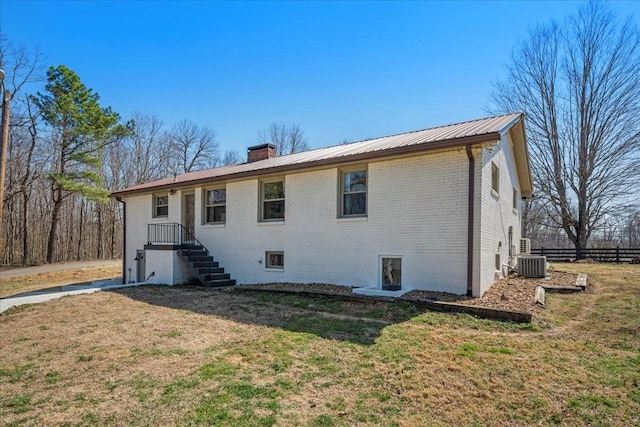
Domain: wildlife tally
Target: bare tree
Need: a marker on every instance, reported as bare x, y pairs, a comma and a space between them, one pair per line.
230, 157
194, 147
287, 139
579, 84
22, 66
147, 149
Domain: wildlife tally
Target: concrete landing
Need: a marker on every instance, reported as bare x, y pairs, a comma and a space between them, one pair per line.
372, 292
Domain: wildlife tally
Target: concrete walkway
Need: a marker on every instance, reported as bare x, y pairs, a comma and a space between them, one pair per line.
62, 291
47, 268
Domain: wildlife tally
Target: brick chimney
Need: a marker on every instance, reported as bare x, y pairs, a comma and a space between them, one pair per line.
261, 152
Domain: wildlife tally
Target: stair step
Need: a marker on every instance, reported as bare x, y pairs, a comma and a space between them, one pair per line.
193, 259
189, 253
205, 269
209, 271
216, 276
219, 283
205, 264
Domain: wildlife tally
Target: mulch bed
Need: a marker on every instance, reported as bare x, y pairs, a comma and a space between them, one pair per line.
510, 293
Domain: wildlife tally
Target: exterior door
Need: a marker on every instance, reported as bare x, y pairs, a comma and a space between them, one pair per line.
188, 214
140, 266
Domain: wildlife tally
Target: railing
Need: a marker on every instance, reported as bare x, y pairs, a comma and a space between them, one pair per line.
616, 254
170, 234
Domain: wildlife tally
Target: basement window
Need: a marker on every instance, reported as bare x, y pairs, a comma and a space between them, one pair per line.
161, 206
391, 273
275, 260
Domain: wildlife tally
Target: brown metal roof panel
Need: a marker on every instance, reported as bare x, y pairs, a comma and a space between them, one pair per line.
479, 127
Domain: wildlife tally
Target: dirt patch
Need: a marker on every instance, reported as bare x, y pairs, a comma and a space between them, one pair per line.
517, 293
313, 287
510, 293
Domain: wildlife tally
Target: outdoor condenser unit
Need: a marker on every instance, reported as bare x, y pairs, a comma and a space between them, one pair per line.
525, 246
532, 266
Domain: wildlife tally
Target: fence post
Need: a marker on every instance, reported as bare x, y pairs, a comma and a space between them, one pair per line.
542, 250
617, 254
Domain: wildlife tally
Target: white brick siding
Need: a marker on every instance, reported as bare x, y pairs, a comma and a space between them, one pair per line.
416, 206
417, 209
496, 212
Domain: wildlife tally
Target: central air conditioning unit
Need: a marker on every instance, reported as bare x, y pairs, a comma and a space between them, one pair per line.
525, 246
532, 266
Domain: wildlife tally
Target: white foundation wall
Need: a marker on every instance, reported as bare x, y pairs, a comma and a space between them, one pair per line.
417, 210
139, 214
497, 212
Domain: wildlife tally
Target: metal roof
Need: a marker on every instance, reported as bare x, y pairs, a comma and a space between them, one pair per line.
420, 140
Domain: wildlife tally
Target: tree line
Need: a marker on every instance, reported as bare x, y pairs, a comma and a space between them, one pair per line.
66, 153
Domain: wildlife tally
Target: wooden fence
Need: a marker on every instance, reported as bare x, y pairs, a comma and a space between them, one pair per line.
616, 254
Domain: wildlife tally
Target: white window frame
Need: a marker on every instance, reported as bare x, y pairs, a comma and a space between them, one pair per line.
155, 206
341, 192
267, 260
263, 201
214, 205
515, 201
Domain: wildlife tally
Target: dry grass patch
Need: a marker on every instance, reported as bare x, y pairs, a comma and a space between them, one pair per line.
183, 356
36, 282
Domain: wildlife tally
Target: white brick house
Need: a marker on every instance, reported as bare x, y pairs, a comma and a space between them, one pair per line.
436, 209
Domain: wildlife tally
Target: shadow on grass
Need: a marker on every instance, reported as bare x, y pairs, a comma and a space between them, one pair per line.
325, 316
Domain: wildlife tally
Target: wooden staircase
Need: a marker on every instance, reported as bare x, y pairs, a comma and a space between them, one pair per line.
208, 271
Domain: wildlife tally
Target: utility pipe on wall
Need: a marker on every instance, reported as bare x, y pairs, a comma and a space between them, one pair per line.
124, 239
470, 219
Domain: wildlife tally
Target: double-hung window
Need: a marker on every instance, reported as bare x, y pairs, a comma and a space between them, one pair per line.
272, 194
353, 194
161, 206
495, 178
216, 206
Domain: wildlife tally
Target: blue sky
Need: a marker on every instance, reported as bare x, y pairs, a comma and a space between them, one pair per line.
342, 70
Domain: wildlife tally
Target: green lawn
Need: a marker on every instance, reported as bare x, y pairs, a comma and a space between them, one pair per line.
189, 356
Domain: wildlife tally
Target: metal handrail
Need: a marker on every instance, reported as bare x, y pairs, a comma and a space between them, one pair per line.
170, 233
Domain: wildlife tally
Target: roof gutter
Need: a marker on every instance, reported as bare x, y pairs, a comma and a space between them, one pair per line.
398, 151
470, 219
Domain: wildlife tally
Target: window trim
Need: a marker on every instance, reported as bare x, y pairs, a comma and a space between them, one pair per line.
341, 193
515, 201
262, 201
267, 264
155, 206
495, 178
205, 205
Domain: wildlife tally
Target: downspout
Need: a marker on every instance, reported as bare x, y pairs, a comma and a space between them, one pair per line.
471, 207
124, 239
